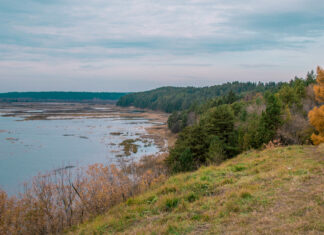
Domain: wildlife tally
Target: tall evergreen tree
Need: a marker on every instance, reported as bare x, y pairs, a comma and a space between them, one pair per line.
270, 120
190, 150
219, 122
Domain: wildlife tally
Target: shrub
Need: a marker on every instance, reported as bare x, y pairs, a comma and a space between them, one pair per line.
61, 199
316, 116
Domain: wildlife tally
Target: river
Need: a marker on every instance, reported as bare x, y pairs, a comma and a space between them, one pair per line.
30, 144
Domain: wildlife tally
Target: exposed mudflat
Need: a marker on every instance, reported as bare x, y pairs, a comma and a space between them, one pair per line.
65, 111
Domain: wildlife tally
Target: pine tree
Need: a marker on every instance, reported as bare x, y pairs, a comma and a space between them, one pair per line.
270, 121
219, 122
316, 116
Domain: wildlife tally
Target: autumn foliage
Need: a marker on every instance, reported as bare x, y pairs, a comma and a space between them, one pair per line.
316, 116
67, 197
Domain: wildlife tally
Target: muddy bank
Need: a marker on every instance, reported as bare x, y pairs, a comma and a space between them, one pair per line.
159, 131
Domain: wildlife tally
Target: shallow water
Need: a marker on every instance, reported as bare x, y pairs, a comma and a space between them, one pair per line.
30, 147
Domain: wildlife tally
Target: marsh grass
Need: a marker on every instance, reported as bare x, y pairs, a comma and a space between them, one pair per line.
129, 146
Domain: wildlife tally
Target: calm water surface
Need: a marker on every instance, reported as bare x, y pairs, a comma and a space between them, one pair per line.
30, 147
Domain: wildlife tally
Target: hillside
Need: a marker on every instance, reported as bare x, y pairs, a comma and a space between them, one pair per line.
274, 191
169, 99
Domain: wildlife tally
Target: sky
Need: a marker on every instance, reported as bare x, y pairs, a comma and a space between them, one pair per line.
135, 45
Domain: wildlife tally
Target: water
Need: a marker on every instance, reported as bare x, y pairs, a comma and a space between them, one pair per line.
30, 147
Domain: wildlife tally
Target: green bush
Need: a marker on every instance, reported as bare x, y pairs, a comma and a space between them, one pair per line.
212, 140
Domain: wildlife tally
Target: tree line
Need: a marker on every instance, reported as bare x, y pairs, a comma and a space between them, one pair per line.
170, 99
59, 95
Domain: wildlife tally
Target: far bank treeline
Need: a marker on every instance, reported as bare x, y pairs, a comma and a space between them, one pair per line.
219, 122
60, 96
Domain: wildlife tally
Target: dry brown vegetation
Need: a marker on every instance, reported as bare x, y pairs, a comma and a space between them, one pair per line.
67, 197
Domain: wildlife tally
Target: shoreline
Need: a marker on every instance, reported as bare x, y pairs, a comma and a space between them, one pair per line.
28, 111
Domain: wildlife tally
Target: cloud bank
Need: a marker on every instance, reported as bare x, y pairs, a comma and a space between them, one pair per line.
132, 45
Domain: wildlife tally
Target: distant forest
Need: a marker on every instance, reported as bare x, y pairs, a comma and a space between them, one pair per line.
218, 122
60, 96
170, 99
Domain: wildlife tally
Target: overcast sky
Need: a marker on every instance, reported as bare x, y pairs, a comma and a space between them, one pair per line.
124, 45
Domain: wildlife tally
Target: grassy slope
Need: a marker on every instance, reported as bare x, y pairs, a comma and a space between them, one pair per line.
276, 191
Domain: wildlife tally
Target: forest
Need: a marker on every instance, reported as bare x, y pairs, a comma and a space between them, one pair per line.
170, 99
219, 122
225, 126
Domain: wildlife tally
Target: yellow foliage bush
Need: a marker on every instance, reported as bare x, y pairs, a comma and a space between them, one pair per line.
316, 115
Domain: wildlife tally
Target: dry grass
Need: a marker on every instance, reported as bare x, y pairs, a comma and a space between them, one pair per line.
61, 199
275, 191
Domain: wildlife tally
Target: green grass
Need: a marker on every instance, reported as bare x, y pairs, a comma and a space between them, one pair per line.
275, 191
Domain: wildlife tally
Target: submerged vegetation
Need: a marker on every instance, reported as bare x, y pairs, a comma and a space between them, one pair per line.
129, 146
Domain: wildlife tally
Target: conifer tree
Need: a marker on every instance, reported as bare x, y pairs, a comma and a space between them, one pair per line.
316, 116
269, 122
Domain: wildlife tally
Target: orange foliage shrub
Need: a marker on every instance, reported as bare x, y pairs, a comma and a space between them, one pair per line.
316, 116
272, 144
66, 197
